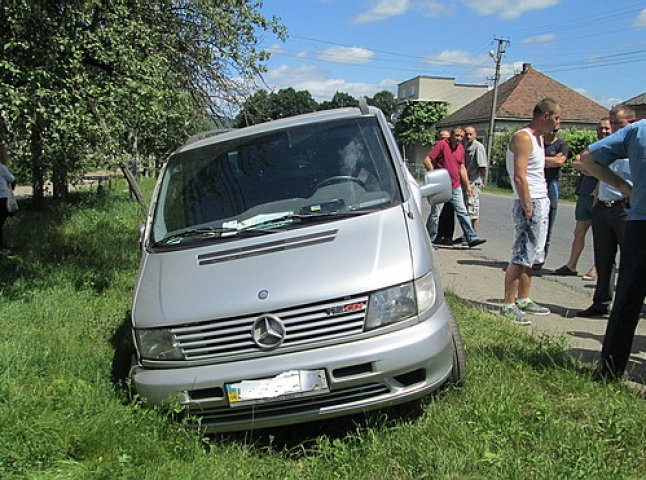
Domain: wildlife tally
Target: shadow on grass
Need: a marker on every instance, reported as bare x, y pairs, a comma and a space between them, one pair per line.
299, 439
545, 350
541, 353
636, 368
124, 350
44, 244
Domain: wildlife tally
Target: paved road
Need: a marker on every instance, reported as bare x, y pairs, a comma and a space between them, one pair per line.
496, 229
477, 276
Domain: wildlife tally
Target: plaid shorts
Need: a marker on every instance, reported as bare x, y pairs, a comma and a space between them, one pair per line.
529, 235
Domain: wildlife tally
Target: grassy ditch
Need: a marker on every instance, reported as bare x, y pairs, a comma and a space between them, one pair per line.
527, 410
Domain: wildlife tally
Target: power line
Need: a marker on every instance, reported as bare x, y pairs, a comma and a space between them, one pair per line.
602, 18
592, 65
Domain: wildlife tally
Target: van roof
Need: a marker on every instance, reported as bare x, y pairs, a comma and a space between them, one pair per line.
220, 135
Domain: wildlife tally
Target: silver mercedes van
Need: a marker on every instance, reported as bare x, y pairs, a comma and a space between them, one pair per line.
287, 276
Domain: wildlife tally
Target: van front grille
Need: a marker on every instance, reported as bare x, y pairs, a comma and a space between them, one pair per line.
304, 326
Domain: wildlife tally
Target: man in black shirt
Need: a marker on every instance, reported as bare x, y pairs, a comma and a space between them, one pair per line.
556, 151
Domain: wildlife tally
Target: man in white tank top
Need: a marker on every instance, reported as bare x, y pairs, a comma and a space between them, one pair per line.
525, 164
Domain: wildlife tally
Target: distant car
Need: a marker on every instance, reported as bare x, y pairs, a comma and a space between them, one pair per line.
287, 276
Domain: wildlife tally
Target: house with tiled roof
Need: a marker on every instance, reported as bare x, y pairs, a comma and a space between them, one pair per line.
439, 89
425, 88
638, 103
516, 100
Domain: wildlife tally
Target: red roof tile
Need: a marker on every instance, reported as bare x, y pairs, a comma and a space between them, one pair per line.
518, 96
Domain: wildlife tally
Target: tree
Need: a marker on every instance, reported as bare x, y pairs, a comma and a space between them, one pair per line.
86, 77
288, 102
339, 100
417, 121
262, 107
255, 109
385, 101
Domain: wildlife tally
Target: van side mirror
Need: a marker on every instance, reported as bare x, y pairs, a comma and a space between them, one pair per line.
437, 186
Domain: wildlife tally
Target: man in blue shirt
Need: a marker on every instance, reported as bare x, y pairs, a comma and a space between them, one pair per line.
629, 142
609, 223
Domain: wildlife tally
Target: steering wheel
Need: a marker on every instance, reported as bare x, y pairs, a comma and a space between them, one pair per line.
339, 179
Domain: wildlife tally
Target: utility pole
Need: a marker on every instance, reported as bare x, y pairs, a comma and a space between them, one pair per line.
498, 58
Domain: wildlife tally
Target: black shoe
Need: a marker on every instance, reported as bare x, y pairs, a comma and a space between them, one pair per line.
476, 242
537, 267
565, 271
443, 241
593, 311
457, 241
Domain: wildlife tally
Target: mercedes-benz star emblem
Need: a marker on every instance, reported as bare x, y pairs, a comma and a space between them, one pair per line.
268, 332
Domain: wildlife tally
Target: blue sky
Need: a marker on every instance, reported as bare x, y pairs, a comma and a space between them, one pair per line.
364, 46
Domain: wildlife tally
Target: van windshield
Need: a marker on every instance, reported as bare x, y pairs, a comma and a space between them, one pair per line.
257, 185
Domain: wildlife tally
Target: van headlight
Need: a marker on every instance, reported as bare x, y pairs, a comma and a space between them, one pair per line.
158, 344
400, 302
425, 292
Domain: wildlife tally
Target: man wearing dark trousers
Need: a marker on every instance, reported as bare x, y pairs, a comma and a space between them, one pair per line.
556, 152
449, 154
608, 222
446, 224
628, 142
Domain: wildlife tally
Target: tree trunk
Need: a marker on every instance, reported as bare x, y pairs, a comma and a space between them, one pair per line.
37, 163
59, 179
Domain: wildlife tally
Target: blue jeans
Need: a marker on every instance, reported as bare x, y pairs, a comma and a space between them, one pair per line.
457, 200
553, 193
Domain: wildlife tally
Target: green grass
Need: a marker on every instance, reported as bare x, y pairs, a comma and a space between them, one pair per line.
527, 410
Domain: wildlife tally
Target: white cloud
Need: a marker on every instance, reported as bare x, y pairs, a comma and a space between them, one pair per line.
457, 58
387, 84
485, 74
608, 102
285, 76
276, 49
434, 8
382, 10
319, 83
302, 54
611, 101
548, 37
508, 9
640, 21
352, 55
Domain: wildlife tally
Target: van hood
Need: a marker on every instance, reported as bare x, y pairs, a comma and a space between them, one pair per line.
324, 261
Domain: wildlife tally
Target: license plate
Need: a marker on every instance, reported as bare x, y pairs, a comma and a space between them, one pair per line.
290, 384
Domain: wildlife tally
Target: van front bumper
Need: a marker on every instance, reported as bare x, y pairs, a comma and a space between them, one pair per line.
362, 375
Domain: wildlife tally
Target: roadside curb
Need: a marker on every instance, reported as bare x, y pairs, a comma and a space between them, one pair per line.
479, 281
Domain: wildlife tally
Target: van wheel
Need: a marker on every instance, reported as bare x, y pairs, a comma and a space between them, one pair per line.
459, 370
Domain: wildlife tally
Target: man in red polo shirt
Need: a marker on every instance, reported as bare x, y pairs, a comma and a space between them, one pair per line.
449, 154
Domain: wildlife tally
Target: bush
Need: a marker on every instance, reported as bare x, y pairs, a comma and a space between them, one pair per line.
576, 139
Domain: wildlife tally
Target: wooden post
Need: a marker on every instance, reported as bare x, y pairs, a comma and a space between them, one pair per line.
134, 186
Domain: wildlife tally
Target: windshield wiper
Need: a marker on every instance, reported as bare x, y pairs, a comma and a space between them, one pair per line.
273, 225
303, 218
205, 233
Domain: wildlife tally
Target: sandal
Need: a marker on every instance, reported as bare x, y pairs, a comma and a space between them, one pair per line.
589, 277
565, 271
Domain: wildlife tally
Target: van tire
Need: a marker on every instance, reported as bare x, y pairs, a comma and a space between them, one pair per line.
459, 370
